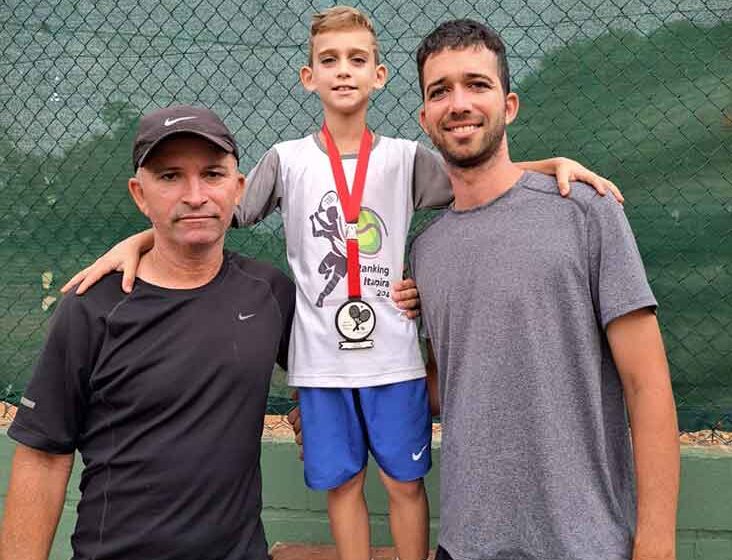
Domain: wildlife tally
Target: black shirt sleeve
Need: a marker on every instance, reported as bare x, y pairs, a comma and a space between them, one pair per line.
51, 413
284, 291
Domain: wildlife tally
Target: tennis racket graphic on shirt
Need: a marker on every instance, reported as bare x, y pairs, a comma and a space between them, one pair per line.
358, 316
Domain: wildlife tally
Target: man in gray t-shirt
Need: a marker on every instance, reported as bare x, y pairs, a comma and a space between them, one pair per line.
543, 329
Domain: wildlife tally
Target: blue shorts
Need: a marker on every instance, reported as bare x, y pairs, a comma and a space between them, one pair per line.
340, 426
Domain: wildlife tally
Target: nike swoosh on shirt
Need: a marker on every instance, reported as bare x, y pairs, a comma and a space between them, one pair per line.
418, 456
171, 122
245, 317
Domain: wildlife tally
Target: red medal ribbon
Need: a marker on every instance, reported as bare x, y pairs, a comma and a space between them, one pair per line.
350, 202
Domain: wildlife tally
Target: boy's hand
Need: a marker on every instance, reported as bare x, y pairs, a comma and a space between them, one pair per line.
123, 257
406, 297
567, 170
293, 417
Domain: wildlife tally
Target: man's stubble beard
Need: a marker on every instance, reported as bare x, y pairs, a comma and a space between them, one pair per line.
488, 148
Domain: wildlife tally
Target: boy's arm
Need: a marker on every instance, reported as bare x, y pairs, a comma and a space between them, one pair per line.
567, 170
431, 185
36, 494
263, 191
124, 257
637, 348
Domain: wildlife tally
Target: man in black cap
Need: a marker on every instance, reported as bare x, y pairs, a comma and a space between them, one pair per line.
163, 390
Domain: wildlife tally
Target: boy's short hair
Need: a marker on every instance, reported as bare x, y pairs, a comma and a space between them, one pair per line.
462, 34
340, 18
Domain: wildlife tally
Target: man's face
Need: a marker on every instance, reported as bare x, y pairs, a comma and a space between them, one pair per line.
465, 109
344, 70
188, 188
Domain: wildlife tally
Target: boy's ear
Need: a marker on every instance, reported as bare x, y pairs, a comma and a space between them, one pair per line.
134, 186
306, 78
381, 76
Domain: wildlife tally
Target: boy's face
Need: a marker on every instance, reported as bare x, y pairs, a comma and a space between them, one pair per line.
344, 70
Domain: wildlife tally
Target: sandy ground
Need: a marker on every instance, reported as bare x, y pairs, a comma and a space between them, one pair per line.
278, 428
7, 413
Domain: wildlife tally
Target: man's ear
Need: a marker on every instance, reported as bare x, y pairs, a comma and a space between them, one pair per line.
240, 184
134, 186
422, 120
306, 78
382, 73
512, 107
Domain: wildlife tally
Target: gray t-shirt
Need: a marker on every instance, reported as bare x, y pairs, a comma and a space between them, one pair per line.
516, 296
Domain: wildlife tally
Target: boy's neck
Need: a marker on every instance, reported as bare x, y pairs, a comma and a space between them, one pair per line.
346, 130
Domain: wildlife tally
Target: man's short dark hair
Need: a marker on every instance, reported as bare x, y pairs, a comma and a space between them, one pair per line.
462, 34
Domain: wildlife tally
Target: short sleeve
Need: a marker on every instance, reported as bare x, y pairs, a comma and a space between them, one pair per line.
617, 277
51, 412
423, 327
262, 192
431, 188
284, 291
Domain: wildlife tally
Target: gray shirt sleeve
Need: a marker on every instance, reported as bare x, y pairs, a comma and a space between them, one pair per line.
617, 277
431, 185
422, 329
262, 192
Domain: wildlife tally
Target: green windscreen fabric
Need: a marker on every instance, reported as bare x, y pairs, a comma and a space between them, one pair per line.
640, 92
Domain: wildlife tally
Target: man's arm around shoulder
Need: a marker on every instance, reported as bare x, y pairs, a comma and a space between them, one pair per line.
36, 494
637, 347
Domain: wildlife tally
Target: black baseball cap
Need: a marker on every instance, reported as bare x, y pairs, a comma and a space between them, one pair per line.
158, 125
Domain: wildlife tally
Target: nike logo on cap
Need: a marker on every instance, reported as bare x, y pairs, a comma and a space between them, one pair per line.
245, 317
418, 456
171, 122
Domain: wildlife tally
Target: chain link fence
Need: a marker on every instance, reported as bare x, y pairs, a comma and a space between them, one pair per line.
639, 91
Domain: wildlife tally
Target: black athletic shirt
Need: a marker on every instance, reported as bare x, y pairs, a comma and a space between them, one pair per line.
163, 392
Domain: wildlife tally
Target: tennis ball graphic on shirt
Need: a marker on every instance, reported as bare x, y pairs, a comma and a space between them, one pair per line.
369, 232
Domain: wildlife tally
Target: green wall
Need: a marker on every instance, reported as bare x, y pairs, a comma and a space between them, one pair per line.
293, 513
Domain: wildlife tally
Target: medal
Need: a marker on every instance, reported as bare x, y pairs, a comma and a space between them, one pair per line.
355, 319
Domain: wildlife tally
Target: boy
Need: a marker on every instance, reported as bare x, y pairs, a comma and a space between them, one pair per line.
353, 355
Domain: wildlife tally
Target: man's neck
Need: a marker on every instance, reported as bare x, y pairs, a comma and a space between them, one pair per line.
183, 269
346, 130
476, 186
